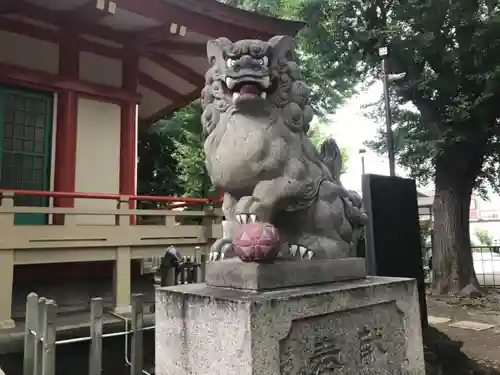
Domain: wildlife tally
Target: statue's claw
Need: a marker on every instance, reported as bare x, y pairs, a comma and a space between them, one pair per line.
222, 248
246, 218
299, 251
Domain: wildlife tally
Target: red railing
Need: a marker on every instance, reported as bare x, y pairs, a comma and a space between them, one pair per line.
177, 201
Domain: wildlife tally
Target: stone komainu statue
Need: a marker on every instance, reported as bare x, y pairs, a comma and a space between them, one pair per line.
255, 120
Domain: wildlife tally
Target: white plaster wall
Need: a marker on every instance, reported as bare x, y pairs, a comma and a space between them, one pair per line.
100, 69
97, 157
20, 50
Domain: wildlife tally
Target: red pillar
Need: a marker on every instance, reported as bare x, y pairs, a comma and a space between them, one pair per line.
67, 105
128, 129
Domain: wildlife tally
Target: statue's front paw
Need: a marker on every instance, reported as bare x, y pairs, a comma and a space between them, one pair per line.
222, 248
250, 210
297, 252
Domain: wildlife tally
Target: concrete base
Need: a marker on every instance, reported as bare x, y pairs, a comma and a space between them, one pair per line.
369, 326
233, 273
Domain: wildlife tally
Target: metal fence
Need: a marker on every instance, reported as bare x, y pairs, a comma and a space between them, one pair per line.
40, 328
486, 261
40, 336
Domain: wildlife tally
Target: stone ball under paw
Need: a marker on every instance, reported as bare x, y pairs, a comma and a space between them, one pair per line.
257, 242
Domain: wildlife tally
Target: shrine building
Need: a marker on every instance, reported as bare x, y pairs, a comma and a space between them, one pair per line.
77, 79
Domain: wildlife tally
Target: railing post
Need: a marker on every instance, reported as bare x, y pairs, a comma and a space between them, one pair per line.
39, 336
6, 214
49, 339
6, 262
96, 323
6, 289
170, 220
29, 338
136, 359
123, 205
201, 269
122, 279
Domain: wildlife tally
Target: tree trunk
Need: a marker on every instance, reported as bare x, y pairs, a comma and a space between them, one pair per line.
452, 263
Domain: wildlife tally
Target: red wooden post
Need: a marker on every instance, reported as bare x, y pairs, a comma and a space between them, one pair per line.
128, 129
66, 128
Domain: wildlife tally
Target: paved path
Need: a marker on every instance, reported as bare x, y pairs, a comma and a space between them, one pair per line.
477, 328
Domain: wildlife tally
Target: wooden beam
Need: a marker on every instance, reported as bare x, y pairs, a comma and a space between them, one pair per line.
28, 29
166, 13
180, 48
8, 6
160, 33
50, 35
90, 12
55, 18
179, 69
167, 111
53, 82
149, 82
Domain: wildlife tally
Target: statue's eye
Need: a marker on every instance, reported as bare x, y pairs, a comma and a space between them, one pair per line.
263, 61
230, 63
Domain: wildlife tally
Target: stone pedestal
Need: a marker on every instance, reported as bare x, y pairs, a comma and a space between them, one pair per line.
365, 326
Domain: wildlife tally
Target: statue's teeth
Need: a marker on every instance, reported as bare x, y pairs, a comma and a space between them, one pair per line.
230, 83
263, 95
266, 82
236, 95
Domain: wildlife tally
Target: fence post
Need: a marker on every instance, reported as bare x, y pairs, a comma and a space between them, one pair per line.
196, 254
96, 323
201, 269
49, 339
29, 338
137, 341
39, 334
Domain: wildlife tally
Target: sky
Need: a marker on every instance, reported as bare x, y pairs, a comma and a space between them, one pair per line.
351, 129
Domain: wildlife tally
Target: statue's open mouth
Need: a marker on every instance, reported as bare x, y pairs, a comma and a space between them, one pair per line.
247, 89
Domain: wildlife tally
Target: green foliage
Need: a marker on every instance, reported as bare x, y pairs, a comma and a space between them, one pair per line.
484, 237
453, 80
156, 170
171, 159
191, 172
330, 64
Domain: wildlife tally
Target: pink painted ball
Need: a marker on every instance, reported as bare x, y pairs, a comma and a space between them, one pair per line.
257, 242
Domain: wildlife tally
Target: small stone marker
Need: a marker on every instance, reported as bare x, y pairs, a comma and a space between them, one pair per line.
438, 319
475, 326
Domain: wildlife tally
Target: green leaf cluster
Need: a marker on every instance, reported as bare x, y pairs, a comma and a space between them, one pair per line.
171, 158
449, 53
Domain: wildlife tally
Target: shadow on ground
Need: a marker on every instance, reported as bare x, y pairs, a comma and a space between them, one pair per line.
443, 356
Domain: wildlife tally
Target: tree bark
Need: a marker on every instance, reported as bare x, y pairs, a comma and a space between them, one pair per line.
452, 262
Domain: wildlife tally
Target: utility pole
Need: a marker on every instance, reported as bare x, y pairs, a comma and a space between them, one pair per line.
362, 152
388, 118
